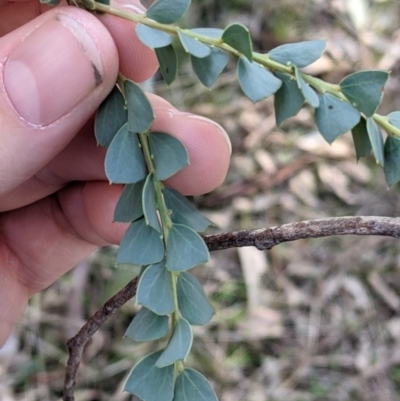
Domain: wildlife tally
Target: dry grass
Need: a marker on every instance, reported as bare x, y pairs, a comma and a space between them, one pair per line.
311, 320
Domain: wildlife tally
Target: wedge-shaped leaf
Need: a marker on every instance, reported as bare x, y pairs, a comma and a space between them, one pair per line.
364, 90
124, 162
167, 11
193, 386
193, 46
140, 112
335, 117
155, 290
150, 383
214, 33
193, 303
376, 140
149, 204
141, 245
256, 82
147, 326
129, 206
392, 160
110, 117
309, 94
288, 99
361, 140
209, 68
394, 118
185, 248
151, 37
183, 212
238, 37
299, 54
168, 61
179, 346
168, 153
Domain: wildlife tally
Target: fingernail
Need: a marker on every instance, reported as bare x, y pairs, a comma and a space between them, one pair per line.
52, 71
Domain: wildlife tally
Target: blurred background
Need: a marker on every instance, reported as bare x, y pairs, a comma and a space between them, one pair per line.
309, 320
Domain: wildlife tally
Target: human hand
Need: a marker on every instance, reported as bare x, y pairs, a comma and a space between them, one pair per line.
56, 207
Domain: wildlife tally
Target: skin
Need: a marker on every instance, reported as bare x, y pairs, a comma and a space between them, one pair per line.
56, 206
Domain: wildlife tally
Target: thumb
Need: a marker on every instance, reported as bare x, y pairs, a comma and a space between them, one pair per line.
57, 70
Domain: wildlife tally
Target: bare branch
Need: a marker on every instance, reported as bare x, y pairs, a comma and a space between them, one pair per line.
267, 238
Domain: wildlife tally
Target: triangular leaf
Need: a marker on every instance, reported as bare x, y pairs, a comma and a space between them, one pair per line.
361, 140
256, 82
149, 204
309, 94
141, 245
288, 99
376, 140
167, 11
392, 160
169, 154
193, 303
110, 117
193, 46
365, 89
214, 33
168, 61
238, 37
150, 383
299, 54
151, 37
179, 345
185, 248
124, 162
147, 326
193, 386
183, 212
155, 290
394, 118
129, 206
209, 68
140, 112
335, 117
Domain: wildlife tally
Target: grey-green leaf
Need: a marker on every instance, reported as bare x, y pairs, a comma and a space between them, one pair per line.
309, 94
376, 140
179, 346
168, 61
394, 118
124, 162
361, 140
299, 54
140, 112
110, 117
392, 160
256, 82
147, 326
365, 89
214, 33
141, 245
155, 290
151, 37
193, 303
169, 154
129, 205
193, 386
183, 212
209, 68
238, 37
335, 117
149, 382
185, 249
167, 11
288, 99
149, 204
193, 46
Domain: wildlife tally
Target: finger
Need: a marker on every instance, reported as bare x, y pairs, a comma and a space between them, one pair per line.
58, 69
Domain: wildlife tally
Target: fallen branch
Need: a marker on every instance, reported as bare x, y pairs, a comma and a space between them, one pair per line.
262, 239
